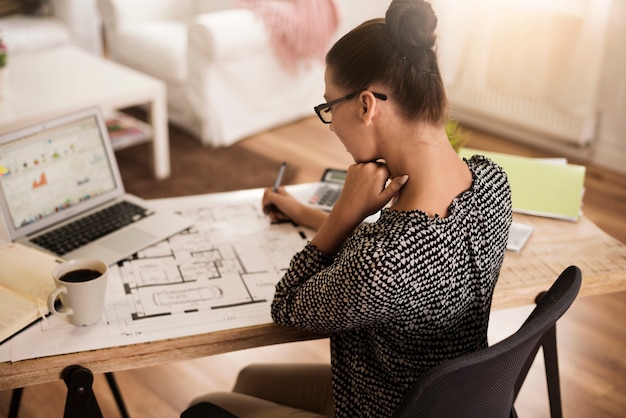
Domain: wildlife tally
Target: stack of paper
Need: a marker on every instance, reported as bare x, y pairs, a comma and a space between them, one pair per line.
539, 186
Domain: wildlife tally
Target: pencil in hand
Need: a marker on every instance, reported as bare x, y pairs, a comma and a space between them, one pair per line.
279, 178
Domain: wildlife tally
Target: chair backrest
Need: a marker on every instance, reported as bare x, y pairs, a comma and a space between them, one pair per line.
485, 383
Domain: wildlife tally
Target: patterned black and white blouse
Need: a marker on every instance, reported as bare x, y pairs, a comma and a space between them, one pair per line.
404, 294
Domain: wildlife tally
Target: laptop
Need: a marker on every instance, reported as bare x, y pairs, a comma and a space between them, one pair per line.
62, 172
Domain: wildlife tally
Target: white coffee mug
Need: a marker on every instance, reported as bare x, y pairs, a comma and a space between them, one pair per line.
80, 289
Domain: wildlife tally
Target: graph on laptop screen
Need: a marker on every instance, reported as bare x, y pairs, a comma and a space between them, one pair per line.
53, 170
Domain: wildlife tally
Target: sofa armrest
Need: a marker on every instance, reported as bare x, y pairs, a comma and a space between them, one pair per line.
119, 13
236, 83
218, 35
83, 22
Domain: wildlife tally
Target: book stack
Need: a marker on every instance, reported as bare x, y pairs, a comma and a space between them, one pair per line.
125, 130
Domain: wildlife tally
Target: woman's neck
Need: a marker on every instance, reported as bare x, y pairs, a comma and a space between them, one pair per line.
436, 174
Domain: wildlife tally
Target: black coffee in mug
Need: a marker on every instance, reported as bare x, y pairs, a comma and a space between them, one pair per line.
80, 275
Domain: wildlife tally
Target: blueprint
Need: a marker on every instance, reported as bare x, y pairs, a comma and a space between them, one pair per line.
219, 274
225, 267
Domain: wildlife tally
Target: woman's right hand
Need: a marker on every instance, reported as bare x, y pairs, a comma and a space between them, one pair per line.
281, 206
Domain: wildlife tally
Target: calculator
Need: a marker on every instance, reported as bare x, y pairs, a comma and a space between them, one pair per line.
329, 189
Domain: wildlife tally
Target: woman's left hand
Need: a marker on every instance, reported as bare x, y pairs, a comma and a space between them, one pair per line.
364, 192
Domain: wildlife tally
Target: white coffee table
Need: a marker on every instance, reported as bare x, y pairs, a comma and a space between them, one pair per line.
46, 84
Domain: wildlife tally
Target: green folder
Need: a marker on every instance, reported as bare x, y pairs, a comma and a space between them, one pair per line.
540, 186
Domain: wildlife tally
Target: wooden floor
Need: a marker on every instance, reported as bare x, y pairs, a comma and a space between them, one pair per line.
592, 336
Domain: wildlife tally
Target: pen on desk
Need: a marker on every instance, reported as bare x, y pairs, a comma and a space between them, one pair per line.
279, 177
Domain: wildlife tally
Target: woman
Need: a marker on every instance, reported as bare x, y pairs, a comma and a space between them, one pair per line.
413, 289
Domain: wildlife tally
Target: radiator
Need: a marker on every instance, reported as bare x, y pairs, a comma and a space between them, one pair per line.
521, 118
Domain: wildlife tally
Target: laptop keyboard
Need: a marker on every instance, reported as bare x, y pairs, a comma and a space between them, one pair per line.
85, 230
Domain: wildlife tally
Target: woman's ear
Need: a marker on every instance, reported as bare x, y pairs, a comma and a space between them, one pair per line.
367, 106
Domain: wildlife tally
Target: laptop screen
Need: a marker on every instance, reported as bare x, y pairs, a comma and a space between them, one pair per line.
48, 173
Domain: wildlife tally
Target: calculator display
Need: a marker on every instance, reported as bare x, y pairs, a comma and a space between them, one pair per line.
334, 176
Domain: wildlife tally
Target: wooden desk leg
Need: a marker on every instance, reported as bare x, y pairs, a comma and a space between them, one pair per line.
16, 398
80, 401
117, 394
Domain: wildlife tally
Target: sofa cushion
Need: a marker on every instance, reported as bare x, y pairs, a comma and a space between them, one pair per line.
29, 33
157, 48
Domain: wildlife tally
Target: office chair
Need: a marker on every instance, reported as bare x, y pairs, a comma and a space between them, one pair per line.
484, 383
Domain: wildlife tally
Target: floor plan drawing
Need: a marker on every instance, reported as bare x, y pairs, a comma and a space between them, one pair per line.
219, 274
226, 264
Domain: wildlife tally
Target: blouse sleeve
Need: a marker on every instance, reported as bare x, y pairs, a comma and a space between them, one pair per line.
323, 294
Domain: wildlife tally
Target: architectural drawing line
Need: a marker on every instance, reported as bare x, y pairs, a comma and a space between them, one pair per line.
234, 305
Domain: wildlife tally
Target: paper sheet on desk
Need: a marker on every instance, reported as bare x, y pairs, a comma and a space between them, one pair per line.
219, 275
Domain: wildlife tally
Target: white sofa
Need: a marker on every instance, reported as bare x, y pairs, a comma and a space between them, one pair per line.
224, 81
62, 22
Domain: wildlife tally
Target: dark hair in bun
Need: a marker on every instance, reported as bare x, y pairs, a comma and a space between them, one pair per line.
399, 53
412, 22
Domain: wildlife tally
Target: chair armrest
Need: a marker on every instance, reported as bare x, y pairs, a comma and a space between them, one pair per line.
218, 35
206, 409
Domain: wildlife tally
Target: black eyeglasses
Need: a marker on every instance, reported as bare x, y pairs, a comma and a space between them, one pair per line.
325, 111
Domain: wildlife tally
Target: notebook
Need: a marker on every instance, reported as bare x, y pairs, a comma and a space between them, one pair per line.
62, 170
541, 187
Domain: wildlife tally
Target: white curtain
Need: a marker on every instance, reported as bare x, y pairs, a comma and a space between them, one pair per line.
551, 50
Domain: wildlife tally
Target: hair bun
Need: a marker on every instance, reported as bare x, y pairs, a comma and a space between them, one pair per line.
412, 23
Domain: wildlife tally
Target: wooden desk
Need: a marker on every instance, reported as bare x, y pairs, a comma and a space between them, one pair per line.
553, 246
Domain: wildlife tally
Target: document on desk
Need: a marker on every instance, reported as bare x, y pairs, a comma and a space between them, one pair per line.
541, 187
218, 275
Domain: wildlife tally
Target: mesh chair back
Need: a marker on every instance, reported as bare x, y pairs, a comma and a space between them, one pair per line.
485, 383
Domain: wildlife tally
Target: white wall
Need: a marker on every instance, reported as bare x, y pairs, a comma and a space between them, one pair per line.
608, 147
